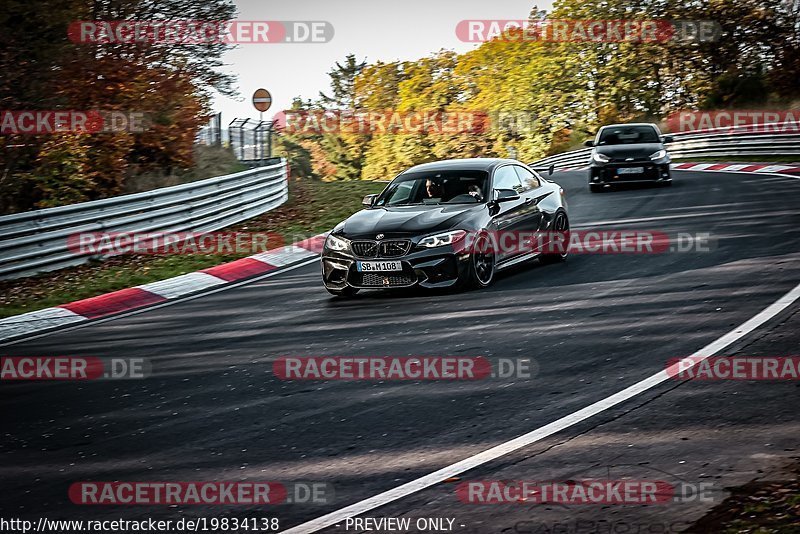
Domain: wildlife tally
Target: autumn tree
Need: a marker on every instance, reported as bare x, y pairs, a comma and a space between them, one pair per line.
169, 83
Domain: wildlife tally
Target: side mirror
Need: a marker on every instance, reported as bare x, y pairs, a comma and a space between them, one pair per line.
505, 195
368, 200
588, 143
668, 139
551, 169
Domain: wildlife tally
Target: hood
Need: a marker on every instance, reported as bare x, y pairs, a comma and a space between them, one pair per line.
406, 221
635, 150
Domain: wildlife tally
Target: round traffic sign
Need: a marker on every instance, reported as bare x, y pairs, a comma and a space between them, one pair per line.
262, 100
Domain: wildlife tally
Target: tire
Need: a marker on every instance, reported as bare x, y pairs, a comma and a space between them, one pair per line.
482, 263
594, 188
560, 224
667, 184
345, 292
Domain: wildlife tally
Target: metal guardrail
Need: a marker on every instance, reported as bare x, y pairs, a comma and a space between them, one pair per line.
36, 241
720, 142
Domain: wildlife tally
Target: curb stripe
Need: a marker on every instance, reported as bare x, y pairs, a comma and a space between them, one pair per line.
282, 256
738, 167
27, 323
239, 269
124, 299
182, 285
722, 167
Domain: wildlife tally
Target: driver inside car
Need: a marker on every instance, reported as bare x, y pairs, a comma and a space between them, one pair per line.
433, 189
475, 191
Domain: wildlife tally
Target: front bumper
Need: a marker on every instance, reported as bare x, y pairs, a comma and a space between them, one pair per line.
610, 173
430, 268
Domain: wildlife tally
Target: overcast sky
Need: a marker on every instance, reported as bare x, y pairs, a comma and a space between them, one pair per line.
372, 29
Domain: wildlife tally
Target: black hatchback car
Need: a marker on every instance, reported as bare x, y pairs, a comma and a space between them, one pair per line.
414, 232
629, 153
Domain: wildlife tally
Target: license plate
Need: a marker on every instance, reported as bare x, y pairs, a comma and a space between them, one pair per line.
378, 266
630, 170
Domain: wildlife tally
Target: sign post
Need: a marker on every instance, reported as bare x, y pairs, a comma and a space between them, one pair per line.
262, 100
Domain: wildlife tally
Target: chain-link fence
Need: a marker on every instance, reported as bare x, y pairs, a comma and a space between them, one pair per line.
251, 139
211, 134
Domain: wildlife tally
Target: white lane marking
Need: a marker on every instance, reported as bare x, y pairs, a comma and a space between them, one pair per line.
149, 308
19, 325
540, 433
182, 285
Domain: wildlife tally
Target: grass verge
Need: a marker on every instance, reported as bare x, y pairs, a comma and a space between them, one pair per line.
757, 507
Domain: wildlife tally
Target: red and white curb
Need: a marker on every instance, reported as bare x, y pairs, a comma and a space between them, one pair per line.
759, 168
157, 292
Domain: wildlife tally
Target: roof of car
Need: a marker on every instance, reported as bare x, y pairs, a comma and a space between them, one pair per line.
630, 124
473, 164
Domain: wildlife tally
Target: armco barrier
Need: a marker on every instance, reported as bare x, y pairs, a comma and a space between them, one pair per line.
36, 241
744, 141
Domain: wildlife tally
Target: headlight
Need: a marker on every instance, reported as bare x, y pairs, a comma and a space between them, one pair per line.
337, 243
661, 154
599, 158
438, 240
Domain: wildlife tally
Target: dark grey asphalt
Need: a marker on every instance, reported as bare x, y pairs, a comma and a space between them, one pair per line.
213, 410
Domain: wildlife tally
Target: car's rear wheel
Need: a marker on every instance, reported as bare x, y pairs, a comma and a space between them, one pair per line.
345, 292
595, 188
482, 263
561, 225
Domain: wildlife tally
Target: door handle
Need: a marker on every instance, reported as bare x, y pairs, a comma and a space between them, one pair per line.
529, 201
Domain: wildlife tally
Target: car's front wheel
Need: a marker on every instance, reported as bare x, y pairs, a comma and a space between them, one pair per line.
480, 272
345, 292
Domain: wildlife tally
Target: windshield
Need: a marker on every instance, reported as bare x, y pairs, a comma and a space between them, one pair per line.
628, 135
436, 187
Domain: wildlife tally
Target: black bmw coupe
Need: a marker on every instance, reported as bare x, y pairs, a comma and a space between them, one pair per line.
432, 227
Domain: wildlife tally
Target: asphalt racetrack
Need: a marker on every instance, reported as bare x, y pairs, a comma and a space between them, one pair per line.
213, 410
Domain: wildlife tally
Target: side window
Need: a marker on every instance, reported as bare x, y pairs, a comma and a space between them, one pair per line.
506, 178
399, 194
403, 192
529, 179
